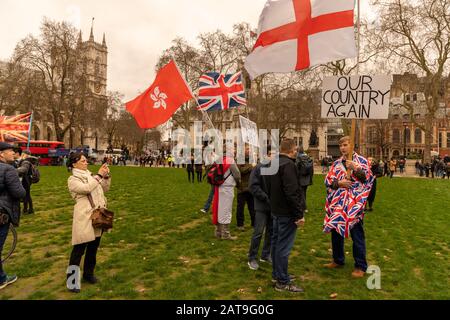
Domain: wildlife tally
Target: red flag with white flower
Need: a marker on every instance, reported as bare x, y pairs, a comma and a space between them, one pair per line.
296, 34
165, 96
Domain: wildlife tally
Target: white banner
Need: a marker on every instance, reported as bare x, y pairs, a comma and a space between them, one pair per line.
356, 97
249, 131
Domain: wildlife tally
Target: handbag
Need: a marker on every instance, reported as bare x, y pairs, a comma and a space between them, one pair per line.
102, 218
4, 218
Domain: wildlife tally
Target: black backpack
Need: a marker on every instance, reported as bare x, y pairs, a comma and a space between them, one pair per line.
305, 166
35, 175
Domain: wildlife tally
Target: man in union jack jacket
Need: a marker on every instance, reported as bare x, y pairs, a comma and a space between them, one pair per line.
348, 183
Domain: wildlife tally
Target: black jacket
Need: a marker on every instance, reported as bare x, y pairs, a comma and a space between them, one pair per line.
258, 189
286, 200
11, 191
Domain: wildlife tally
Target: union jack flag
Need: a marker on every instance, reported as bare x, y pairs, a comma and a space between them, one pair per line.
15, 128
345, 207
221, 91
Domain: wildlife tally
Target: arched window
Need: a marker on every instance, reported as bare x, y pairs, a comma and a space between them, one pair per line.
396, 153
418, 136
372, 135
395, 136
97, 66
36, 116
49, 134
407, 135
37, 133
85, 66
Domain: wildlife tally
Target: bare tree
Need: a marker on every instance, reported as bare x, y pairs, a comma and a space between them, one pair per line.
55, 57
111, 123
415, 35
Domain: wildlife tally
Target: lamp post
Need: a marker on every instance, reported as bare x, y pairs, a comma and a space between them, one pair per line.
405, 125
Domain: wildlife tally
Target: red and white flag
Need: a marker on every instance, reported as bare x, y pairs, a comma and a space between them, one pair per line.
296, 34
165, 96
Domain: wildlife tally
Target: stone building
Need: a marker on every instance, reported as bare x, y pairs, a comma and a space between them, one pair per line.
92, 63
400, 135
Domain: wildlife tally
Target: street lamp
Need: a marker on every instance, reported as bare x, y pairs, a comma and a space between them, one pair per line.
405, 125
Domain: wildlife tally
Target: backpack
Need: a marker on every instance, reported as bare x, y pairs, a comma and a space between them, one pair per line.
35, 175
215, 175
305, 166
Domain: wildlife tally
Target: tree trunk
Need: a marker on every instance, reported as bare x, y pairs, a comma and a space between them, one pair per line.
428, 138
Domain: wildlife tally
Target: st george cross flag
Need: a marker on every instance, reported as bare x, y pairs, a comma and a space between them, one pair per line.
221, 91
345, 207
164, 97
296, 34
15, 128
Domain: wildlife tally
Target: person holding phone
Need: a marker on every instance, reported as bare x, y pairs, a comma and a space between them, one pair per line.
86, 238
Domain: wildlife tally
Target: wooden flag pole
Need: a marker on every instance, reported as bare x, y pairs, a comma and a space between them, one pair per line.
353, 129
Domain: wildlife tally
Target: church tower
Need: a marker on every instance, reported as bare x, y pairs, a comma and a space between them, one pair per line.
95, 63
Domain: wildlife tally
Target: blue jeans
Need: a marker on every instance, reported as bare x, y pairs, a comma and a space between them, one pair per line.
263, 220
210, 199
283, 236
359, 247
3, 234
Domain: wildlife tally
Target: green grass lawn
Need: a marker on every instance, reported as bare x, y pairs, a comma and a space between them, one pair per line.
163, 248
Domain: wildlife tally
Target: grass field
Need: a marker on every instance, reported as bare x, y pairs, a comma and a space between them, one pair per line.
163, 248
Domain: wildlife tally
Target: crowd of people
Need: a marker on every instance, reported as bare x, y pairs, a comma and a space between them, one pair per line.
277, 203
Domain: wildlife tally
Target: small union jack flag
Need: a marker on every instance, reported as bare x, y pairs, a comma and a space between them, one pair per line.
345, 207
221, 92
15, 128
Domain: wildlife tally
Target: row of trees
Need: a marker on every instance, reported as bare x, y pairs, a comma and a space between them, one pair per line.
47, 75
406, 36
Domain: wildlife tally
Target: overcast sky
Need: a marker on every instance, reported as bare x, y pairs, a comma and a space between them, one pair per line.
137, 31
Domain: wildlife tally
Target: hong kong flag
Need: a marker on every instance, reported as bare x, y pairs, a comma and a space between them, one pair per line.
296, 34
164, 97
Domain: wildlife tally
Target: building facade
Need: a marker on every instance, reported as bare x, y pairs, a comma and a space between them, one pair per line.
93, 65
402, 134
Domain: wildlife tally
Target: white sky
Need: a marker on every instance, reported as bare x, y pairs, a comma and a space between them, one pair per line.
137, 31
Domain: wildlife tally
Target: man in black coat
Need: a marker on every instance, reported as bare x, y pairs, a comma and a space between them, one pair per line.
263, 217
24, 171
305, 167
11, 191
287, 205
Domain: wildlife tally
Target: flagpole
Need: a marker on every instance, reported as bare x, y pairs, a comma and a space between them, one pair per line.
29, 132
204, 113
353, 129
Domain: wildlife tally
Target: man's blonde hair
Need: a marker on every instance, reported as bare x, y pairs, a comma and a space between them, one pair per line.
344, 139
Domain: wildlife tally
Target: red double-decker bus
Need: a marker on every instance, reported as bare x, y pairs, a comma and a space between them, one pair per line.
41, 149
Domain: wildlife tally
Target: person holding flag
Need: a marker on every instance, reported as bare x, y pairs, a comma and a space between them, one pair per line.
348, 183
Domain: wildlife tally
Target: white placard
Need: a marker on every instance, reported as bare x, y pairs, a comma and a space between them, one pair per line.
249, 131
356, 97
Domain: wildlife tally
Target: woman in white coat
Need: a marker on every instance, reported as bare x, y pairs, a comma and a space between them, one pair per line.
85, 238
